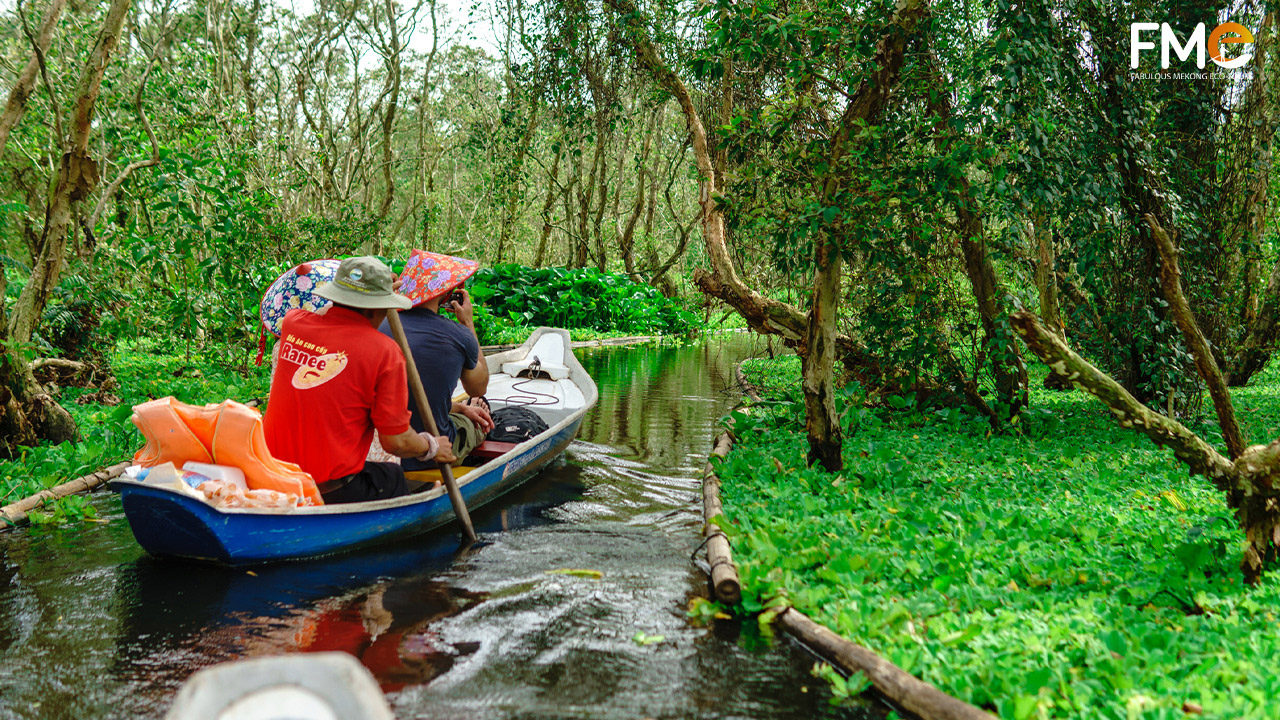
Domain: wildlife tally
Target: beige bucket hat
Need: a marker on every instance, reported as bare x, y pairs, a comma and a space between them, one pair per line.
364, 282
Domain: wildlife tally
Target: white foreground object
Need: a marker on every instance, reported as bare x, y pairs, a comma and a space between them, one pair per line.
547, 355
305, 686
166, 475
218, 472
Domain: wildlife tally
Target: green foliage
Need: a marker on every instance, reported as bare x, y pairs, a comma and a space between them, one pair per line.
1069, 570
843, 688
193, 268
74, 508
582, 298
704, 612
145, 370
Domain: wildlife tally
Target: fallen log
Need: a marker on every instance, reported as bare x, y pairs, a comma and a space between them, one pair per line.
12, 514
896, 684
60, 363
724, 574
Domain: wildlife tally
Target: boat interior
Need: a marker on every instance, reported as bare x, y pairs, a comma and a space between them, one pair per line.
539, 381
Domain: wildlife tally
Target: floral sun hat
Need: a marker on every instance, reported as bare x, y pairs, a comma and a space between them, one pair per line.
295, 288
429, 275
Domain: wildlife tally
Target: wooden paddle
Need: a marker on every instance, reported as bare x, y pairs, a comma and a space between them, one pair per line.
429, 422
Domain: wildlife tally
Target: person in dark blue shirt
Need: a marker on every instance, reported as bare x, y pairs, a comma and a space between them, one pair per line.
446, 351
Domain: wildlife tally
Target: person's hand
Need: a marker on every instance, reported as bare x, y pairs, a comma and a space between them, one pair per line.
464, 310
440, 448
445, 454
479, 416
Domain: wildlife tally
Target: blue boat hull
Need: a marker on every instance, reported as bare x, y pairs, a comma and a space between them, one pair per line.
167, 523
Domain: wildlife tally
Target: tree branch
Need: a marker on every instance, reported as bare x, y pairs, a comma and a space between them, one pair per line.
1171, 283
39, 51
1164, 431
22, 88
137, 164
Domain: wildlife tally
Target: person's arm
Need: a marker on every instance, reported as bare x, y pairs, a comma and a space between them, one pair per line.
413, 444
476, 380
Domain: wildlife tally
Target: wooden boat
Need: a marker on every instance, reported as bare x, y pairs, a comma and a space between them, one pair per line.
542, 374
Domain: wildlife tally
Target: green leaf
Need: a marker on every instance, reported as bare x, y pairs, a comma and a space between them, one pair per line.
576, 572
643, 640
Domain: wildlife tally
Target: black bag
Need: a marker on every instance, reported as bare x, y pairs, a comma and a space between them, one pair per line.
515, 425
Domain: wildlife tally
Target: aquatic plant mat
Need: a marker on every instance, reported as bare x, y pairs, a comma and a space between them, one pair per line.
905, 690
1066, 569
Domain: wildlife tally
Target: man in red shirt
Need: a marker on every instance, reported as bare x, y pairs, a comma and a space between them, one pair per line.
337, 380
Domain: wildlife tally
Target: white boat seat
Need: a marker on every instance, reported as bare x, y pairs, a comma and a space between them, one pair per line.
552, 400
546, 355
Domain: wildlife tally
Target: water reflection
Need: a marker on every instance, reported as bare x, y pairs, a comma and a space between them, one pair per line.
374, 604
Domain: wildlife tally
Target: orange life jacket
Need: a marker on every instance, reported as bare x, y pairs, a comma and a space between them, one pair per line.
228, 433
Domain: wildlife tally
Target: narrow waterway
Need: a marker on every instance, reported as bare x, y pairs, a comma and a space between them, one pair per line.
90, 627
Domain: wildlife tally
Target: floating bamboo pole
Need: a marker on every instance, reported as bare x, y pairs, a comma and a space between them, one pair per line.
15, 513
724, 574
747, 388
900, 686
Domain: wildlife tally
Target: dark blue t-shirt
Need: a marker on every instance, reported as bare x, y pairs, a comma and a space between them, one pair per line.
442, 349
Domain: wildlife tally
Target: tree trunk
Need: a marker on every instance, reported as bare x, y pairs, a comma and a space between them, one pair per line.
1000, 345
1171, 283
1243, 205
626, 234
26, 83
426, 168
1046, 279
246, 71
763, 314
816, 331
822, 424
1009, 369
389, 116
1255, 350
77, 176
658, 274
547, 204
597, 219
652, 206
27, 413
515, 179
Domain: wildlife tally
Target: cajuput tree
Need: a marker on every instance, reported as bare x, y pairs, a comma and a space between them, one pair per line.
820, 155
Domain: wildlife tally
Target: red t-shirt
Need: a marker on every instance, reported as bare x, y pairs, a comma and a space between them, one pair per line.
337, 378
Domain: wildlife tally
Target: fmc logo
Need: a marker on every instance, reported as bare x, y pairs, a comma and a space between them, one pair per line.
1226, 33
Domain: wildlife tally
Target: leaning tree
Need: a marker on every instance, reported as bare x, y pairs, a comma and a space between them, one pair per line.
1249, 477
